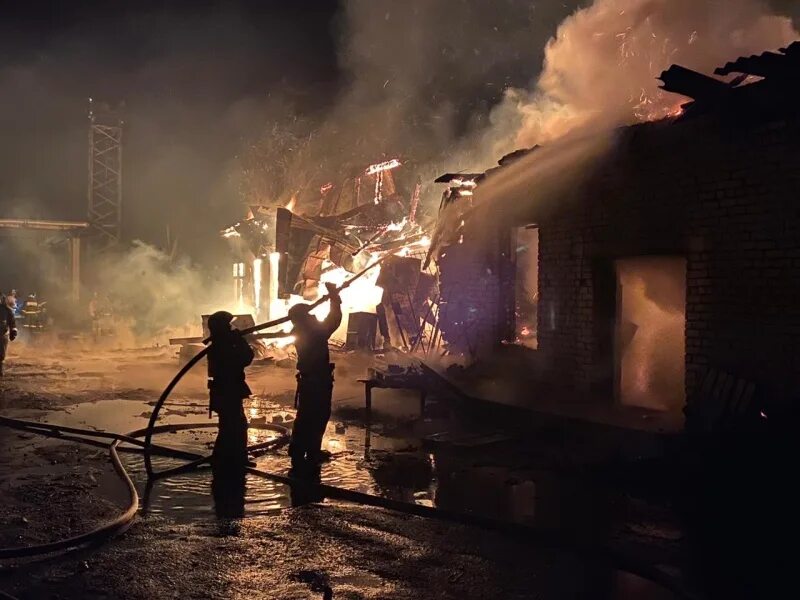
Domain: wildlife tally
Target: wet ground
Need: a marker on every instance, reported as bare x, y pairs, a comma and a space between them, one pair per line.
184, 546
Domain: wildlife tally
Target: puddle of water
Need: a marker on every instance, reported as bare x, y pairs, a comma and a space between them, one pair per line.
190, 496
122, 416
384, 464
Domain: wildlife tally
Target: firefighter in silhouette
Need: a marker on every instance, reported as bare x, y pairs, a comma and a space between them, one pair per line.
228, 356
314, 380
8, 326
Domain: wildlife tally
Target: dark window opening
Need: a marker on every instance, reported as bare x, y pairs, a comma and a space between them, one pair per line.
526, 286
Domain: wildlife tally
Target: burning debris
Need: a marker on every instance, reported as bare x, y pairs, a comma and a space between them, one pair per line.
657, 256
284, 255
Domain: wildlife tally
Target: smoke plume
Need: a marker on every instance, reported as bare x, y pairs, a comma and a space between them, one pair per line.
454, 85
601, 66
153, 295
417, 77
599, 72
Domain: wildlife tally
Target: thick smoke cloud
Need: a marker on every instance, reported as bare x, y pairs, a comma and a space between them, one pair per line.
418, 77
599, 72
454, 85
600, 68
154, 295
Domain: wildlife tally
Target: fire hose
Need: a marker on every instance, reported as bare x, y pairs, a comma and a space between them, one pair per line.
550, 538
148, 464
87, 436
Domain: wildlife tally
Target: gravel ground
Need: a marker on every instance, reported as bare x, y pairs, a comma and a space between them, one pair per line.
51, 489
358, 553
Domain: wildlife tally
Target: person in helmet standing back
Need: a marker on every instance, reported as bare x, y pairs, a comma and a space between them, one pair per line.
228, 356
314, 379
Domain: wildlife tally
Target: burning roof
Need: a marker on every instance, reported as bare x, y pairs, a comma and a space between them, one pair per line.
768, 64
353, 221
348, 240
769, 82
766, 84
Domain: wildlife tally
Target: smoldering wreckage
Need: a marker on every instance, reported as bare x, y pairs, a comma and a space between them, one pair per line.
544, 307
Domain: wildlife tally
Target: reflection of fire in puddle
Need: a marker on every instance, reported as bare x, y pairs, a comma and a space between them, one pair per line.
335, 445
264, 410
396, 466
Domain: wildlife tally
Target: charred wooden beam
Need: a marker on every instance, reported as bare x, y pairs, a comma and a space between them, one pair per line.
792, 51
516, 155
767, 64
396, 244
355, 211
451, 177
680, 80
293, 246
326, 233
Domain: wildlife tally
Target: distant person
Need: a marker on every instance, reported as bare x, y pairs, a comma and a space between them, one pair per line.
8, 326
314, 380
94, 315
32, 312
228, 356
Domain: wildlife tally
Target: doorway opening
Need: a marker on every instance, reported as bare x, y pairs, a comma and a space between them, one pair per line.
651, 332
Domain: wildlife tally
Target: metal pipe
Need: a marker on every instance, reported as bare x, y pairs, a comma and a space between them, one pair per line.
42, 225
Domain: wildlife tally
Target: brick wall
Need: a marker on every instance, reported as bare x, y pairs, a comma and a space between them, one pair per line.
472, 282
723, 194
727, 197
743, 279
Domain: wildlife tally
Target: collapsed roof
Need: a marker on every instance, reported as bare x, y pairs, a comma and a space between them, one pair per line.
352, 220
768, 82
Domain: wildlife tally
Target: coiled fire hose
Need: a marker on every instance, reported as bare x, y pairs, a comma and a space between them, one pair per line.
147, 447
90, 437
549, 538
553, 539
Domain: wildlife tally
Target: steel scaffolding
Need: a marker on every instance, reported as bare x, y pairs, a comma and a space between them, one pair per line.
105, 177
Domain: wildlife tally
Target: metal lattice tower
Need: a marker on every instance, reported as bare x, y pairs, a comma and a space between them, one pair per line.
105, 177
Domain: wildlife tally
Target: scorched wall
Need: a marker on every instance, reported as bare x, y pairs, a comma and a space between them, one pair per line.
723, 194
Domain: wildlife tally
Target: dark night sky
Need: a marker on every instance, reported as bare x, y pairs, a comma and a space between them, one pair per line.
193, 76
201, 78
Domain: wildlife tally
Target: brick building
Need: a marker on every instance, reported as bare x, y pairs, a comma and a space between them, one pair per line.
678, 252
